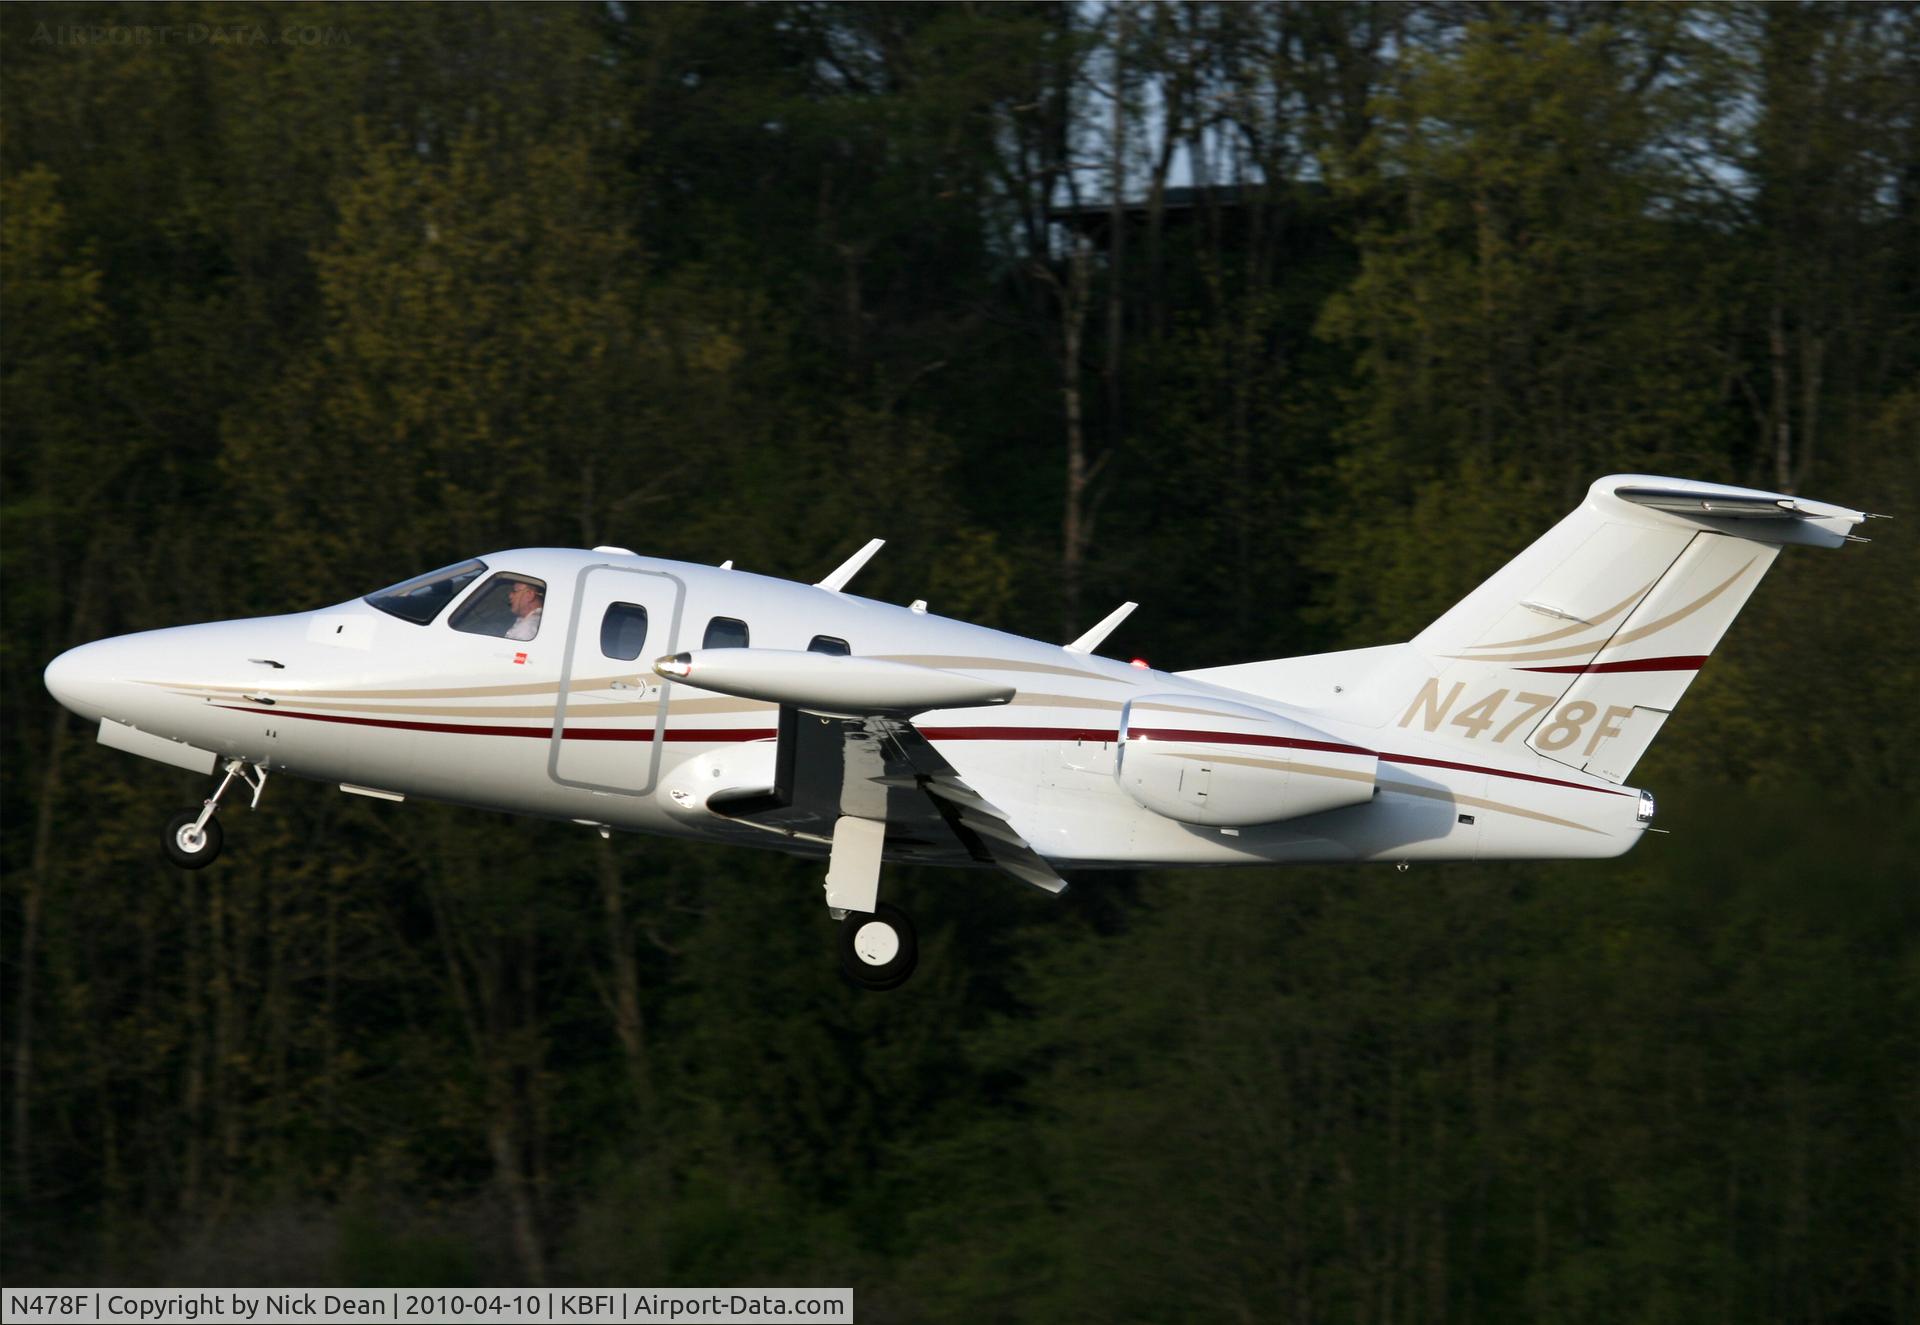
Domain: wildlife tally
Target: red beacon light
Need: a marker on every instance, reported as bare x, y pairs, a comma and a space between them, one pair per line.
1139, 662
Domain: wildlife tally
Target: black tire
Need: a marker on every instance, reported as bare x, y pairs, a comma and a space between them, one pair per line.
878, 958
180, 848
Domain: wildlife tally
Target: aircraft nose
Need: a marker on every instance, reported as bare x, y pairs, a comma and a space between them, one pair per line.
84, 679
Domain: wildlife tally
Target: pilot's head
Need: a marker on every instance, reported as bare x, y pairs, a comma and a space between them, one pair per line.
523, 598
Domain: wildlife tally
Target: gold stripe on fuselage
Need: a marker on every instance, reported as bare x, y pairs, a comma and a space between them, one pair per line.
1139, 707
1027, 699
1285, 765
994, 665
1480, 803
576, 710
266, 686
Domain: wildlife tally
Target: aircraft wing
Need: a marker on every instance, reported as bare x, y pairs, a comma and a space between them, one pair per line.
983, 829
882, 768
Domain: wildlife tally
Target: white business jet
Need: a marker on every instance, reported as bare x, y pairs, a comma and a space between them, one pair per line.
627, 693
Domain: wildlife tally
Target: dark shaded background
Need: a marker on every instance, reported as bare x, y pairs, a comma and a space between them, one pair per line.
300, 300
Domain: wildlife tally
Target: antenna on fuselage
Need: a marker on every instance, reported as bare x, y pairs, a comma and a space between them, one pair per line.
849, 568
1090, 641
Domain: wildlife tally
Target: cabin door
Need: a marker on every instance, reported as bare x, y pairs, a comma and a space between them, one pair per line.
611, 716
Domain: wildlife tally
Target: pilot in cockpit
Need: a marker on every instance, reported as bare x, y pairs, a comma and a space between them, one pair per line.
526, 600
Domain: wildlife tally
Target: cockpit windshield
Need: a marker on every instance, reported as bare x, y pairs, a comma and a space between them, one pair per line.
421, 599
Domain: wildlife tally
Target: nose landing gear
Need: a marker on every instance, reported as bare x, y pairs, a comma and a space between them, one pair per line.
193, 836
190, 843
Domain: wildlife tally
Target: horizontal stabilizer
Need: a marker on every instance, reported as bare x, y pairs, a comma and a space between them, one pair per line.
1750, 513
1682, 502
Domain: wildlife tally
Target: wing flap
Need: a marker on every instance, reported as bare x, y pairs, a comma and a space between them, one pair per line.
880, 768
982, 826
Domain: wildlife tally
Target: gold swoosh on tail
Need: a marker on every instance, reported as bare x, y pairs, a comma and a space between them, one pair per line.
1637, 633
1577, 626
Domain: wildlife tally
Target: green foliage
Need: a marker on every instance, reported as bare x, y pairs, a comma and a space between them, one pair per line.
284, 321
481, 356
1527, 1096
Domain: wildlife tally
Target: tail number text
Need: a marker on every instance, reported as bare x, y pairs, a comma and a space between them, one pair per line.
1560, 731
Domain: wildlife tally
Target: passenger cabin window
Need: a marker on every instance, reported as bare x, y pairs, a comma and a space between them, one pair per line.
422, 598
725, 632
829, 644
623, 631
507, 606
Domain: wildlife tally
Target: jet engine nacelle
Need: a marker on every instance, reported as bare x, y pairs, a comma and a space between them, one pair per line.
1219, 764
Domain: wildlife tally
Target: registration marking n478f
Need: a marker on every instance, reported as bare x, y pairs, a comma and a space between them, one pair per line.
1562, 730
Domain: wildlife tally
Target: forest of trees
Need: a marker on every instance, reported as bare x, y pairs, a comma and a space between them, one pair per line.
1290, 321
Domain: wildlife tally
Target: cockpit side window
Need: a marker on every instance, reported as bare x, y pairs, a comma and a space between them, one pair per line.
725, 632
422, 598
508, 606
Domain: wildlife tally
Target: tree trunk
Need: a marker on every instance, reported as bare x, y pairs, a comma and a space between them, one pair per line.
628, 1024
1073, 316
1781, 401
29, 954
503, 1145
1117, 229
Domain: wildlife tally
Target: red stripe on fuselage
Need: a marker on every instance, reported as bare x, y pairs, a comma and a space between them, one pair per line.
717, 735
398, 724
1236, 738
1018, 733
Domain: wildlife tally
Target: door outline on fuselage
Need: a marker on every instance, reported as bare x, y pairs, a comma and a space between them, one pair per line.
643, 670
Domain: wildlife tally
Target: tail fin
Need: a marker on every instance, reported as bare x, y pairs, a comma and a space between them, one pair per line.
1582, 645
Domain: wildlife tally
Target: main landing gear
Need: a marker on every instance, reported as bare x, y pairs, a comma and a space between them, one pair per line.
878, 949
193, 836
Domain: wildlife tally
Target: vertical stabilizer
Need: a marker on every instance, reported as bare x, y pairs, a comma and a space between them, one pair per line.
1581, 646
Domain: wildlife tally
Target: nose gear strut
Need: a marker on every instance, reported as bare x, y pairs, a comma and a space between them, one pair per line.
193, 836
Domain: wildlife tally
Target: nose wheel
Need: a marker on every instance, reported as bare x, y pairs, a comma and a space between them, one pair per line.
193, 836
191, 844
878, 949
